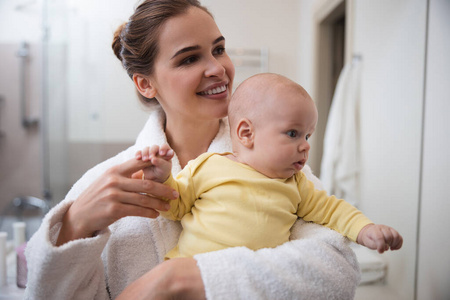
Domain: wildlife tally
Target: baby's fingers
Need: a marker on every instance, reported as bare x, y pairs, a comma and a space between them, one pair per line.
138, 155
166, 152
380, 242
397, 240
161, 163
375, 239
393, 240
388, 236
143, 154
153, 151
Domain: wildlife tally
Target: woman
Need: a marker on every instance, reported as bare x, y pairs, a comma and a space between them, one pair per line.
104, 240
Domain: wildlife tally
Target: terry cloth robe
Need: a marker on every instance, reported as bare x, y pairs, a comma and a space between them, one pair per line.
340, 162
318, 265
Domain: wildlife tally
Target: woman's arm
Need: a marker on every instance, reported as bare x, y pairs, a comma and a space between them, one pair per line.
110, 197
75, 269
319, 265
178, 278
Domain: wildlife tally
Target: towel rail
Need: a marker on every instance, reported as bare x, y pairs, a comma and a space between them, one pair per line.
2, 100
24, 54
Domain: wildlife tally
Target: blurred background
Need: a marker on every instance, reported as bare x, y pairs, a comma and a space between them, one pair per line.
377, 71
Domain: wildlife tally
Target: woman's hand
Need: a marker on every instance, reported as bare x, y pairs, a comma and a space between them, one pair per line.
112, 196
178, 278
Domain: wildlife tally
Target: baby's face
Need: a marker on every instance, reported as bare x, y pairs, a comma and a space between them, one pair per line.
281, 146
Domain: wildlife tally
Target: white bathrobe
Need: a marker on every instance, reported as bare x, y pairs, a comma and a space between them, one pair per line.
318, 265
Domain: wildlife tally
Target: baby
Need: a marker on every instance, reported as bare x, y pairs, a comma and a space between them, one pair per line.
252, 196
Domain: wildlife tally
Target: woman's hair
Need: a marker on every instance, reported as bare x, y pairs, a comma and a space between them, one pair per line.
135, 42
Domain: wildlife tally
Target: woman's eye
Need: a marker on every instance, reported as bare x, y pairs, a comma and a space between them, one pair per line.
219, 50
292, 133
189, 60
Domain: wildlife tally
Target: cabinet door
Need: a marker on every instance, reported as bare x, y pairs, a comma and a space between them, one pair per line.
434, 237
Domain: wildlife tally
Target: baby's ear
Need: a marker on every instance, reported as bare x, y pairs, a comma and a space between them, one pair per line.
245, 132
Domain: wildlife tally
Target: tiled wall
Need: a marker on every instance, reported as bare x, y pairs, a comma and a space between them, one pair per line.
20, 148
21, 160
83, 156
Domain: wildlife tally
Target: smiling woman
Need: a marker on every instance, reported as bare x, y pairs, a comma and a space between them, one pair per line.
90, 112
175, 54
191, 63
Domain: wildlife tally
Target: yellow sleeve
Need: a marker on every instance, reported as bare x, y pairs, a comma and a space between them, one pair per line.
183, 184
337, 214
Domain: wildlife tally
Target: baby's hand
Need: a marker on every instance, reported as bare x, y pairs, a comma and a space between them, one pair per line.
380, 238
160, 157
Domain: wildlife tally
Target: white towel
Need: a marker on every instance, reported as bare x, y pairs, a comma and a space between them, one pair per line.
322, 267
340, 162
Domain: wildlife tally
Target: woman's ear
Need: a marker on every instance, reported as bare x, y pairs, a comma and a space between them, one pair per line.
144, 86
245, 132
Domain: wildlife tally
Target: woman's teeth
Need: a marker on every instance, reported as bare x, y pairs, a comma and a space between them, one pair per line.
216, 90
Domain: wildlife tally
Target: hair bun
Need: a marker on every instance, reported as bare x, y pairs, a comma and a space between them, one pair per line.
117, 41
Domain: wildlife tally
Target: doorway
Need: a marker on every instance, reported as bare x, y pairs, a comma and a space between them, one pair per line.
332, 50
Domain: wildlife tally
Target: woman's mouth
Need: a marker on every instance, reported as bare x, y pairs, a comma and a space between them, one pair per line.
214, 91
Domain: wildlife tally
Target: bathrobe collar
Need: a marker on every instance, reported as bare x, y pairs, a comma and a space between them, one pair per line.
153, 134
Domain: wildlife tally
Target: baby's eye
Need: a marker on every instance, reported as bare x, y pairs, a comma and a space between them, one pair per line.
308, 136
292, 133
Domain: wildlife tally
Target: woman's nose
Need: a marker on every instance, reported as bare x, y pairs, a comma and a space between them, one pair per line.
214, 68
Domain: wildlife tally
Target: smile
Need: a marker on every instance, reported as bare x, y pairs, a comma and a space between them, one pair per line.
217, 90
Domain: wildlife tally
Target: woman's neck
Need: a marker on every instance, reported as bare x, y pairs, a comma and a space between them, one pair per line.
190, 139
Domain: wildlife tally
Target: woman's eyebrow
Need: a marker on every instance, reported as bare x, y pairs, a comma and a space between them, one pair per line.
196, 47
219, 39
184, 50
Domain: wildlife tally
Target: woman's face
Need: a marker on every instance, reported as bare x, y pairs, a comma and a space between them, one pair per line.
193, 75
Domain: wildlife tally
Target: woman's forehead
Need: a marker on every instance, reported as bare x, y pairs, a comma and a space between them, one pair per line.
195, 28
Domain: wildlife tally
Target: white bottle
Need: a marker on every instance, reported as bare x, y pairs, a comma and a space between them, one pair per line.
3, 254
19, 246
19, 233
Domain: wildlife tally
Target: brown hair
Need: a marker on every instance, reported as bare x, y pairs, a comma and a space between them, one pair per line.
135, 42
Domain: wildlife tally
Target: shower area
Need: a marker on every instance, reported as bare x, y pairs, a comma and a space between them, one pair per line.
62, 95
66, 104
65, 101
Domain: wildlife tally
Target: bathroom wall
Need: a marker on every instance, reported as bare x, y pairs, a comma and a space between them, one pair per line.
104, 115
404, 135
390, 36
98, 111
255, 24
20, 148
93, 111
434, 242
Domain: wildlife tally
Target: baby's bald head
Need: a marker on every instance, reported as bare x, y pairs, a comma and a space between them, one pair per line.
258, 95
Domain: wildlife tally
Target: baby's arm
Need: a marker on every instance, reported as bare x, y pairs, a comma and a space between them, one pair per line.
160, 157
380, 238
160, 171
